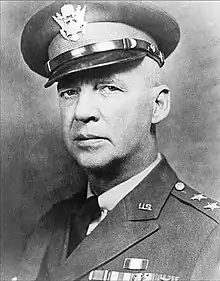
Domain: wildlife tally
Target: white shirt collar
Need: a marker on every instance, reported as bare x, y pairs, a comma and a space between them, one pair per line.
109, 199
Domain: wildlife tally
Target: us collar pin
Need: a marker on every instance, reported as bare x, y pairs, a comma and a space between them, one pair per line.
145, 207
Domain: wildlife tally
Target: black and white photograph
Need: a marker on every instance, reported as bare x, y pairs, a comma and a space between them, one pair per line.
110, 140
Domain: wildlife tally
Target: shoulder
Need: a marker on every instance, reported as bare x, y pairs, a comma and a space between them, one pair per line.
207, 265
56, 218
208, 206
54, 221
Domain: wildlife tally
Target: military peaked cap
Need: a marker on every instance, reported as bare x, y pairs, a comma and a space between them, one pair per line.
70, 36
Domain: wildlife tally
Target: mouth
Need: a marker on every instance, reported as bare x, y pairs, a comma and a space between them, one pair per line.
88, 137
89, 141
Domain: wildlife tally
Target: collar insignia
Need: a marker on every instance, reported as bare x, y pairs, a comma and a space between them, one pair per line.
71, 21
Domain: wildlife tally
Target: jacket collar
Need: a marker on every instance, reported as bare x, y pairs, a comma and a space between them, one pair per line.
148, 198
110, 198
119, 229
153, 190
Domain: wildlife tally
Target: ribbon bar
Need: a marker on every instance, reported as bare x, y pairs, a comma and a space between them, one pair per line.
107, 275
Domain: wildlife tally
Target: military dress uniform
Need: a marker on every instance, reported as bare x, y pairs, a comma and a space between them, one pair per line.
162, 228
156, 232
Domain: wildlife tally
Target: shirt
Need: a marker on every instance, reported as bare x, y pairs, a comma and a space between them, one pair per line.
109, 199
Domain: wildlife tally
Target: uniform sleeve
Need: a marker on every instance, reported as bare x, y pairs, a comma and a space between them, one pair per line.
208, 263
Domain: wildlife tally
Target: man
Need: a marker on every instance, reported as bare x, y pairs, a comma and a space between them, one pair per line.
136, 220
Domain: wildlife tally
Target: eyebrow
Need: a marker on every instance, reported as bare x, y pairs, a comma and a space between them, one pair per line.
110, 79
70, 82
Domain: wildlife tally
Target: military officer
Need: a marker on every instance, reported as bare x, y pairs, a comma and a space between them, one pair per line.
136, 220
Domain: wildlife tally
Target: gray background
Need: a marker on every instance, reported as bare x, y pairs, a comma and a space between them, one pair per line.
36, 168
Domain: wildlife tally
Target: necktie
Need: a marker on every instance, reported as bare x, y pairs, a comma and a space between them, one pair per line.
89, 212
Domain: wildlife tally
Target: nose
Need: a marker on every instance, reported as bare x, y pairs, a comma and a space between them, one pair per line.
86, 108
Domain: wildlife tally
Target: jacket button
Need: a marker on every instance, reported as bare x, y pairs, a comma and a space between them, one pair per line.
179, 186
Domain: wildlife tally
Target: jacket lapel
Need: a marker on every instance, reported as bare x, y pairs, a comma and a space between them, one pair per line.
114, 235
125, 225
146, 201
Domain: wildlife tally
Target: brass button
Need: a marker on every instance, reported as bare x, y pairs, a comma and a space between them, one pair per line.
179, 186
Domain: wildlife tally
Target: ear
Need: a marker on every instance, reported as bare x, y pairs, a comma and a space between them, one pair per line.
161, 103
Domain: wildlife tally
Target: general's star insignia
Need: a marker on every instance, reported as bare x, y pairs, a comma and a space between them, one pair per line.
198, 197
212, 206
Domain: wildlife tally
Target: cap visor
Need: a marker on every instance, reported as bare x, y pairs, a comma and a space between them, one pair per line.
93, 61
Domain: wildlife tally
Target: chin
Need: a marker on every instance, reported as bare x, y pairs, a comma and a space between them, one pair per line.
93, 162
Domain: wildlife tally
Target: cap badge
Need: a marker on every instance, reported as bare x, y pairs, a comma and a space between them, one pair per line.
71, 21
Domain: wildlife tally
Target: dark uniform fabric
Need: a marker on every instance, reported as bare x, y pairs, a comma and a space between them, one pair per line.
170, 234
208, 264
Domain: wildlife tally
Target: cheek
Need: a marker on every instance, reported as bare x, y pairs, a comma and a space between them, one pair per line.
130, 118
67, 115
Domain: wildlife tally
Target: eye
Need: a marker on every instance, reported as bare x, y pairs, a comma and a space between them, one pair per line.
69, 94
109, 88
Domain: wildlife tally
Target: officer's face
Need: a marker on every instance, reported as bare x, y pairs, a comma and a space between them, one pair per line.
107, 115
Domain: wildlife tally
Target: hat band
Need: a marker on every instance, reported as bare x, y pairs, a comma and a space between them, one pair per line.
120, 44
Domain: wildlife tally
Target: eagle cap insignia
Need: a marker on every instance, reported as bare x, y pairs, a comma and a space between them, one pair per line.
71, 21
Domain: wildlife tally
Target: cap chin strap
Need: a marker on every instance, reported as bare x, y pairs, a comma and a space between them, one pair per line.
120, 44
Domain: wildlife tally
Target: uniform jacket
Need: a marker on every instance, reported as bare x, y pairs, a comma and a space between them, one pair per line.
162, 221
